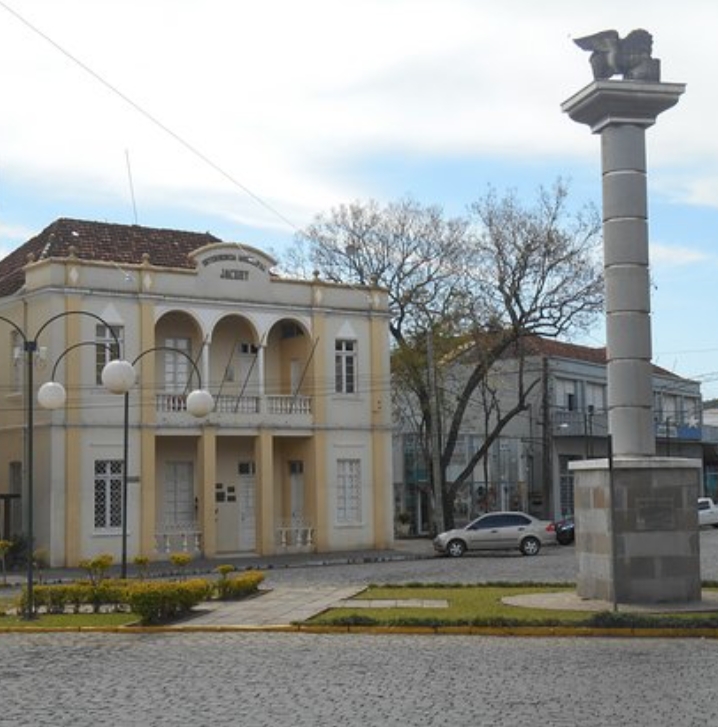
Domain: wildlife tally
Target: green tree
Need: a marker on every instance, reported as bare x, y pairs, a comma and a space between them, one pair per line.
465, 293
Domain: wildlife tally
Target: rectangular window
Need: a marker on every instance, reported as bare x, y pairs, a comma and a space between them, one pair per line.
566, 394
595, 397
108, 493
177, 364
345, 368
106, 348
246, 468
348, 492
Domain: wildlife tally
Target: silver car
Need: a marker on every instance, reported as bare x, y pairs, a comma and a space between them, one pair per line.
498, 531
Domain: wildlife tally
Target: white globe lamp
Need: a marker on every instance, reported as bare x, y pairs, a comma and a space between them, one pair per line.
118, 376
200, 403
52, 395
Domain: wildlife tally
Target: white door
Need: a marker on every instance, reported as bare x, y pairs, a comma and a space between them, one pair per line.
178, 506
246, 502
227, 510
235, 509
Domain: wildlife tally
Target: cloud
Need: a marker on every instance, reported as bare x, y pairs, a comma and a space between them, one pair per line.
671, 256
284, 98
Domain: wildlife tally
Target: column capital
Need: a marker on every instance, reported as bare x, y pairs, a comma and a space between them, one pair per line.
637, 103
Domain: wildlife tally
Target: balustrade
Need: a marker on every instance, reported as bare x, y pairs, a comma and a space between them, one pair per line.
178, 538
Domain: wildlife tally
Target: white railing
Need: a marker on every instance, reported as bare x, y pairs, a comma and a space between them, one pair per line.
225, 404
170, 402
178, 538
295, 536
289, 404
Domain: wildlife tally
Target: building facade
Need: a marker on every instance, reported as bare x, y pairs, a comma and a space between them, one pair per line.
296, 452
566, 420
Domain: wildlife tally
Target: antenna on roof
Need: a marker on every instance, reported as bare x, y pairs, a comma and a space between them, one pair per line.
132, 187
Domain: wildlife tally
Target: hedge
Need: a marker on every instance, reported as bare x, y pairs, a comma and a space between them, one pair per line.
161, 601
239, 586
153, 601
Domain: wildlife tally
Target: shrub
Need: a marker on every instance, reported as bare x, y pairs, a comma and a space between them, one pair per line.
57, 598
181, 561
240, 586
97, 567
159, 602
224, 570
142, 563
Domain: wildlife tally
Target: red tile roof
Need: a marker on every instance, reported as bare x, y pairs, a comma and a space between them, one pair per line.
552, 348
559, 349
104, 242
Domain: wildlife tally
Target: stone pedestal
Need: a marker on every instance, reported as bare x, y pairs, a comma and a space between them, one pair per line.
637, 535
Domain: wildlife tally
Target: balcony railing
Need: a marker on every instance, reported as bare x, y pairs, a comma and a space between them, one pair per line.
178, 538
236, 404
289, 404
227, 404
567, 423
296, 536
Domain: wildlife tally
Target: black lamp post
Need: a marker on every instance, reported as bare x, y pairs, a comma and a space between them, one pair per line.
119, 377
199, 403
30, 347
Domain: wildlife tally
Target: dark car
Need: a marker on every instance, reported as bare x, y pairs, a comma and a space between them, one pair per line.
565, 531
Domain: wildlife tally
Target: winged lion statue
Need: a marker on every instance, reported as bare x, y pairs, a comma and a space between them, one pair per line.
629, 56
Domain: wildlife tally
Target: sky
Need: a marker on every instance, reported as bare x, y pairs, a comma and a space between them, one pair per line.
246, 119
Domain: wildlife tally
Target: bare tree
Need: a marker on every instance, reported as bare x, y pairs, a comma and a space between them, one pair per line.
469, 289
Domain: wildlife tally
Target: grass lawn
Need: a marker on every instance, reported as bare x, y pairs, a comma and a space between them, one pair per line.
69, 620
482, 606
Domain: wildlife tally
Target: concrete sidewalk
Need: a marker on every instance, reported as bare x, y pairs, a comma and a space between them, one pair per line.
404, 549
278, 607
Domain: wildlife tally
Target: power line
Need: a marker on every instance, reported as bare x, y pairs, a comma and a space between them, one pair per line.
150, 117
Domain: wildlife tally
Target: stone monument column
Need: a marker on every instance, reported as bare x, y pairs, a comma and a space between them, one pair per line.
636, 514
620, 111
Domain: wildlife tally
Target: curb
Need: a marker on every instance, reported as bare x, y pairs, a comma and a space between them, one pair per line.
500, 631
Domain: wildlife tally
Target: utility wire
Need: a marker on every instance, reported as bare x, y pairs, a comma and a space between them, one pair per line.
150, 117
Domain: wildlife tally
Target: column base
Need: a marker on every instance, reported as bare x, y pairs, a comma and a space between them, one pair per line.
637, 537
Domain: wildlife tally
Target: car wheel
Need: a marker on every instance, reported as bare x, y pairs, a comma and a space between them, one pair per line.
530, 546
455, 548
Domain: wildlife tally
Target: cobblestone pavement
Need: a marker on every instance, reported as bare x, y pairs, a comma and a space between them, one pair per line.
297, 680
553, 564
303, 680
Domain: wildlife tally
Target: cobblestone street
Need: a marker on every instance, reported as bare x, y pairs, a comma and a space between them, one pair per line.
298, 680
303, 680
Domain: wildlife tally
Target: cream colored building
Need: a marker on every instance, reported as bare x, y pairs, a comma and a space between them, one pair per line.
296, 454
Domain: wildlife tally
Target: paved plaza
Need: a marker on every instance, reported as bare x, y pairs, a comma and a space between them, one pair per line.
325, 680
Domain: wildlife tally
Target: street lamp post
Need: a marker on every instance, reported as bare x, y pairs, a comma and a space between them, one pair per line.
30, 348
118, 377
